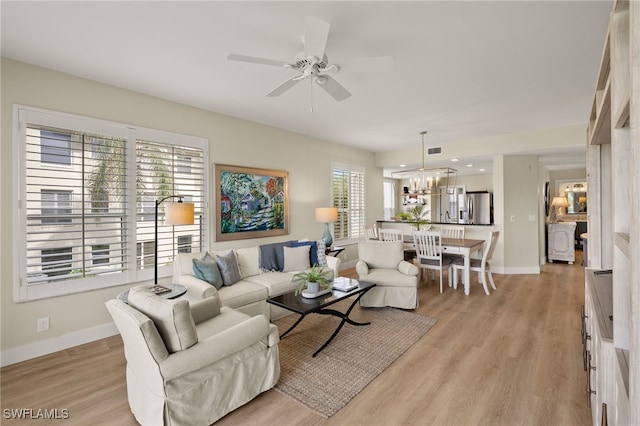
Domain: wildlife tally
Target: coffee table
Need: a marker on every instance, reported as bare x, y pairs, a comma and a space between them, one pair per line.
319, 305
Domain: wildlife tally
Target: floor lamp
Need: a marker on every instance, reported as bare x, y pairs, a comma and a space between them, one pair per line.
327, 215
176, 213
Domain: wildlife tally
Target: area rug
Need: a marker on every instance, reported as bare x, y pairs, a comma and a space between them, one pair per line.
352, 360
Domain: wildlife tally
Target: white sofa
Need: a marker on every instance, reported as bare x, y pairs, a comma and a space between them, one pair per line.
248, 295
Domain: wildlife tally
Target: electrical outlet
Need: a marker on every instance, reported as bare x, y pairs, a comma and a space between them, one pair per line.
513, 218
43, 324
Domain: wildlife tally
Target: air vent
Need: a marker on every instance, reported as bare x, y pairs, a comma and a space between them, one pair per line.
434, 150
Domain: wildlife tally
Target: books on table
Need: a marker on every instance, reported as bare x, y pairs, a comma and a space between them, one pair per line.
344, 284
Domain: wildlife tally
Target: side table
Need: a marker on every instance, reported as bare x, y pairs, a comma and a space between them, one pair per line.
177, 290
334, 251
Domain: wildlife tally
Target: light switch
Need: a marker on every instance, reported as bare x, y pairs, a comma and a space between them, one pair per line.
532, 218
513, 218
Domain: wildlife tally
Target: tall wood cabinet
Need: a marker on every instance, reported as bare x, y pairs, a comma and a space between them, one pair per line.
613, 175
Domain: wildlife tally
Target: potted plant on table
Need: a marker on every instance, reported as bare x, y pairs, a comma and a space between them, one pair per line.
315, 280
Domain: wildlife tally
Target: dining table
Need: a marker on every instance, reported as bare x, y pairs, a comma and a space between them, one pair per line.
460, 246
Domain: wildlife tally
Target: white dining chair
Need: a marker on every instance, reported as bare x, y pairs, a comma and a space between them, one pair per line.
429, 253
452, 232
371, 232
481, 266
386, 234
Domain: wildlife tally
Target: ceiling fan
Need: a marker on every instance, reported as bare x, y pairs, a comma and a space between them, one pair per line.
312, 63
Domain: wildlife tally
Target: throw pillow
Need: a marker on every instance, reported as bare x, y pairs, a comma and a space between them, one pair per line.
172, 318
272, 256
322, 256
313, 250
208, 271
228, 266
296, 258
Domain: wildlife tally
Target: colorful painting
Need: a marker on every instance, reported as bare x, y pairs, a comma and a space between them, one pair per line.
250, 202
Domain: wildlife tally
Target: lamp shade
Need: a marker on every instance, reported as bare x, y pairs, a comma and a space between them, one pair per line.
178, 213
560, 202
326, 214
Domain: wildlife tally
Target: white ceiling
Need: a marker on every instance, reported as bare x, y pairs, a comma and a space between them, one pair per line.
463, 69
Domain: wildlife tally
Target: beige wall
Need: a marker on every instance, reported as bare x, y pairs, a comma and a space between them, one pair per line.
231, 141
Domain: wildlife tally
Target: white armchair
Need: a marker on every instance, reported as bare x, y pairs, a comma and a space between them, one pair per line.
382, 262
192, 362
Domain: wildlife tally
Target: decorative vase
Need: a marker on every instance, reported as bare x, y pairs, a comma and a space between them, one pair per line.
312, 287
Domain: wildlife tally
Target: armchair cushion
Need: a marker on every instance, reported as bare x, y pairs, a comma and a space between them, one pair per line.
381, 254
228, 265
296, 258
207, 270
207, 308
172, 318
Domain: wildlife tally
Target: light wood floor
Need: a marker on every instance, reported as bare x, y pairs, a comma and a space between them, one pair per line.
512, 358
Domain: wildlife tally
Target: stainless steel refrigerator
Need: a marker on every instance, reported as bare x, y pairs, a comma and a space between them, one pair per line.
476, 208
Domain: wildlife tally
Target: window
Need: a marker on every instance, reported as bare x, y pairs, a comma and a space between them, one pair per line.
57, 262
100, 254
101, 206
55, 206
55, 148
185, 243
348, 184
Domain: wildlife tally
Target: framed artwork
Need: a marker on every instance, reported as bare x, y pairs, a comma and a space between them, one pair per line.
250, 202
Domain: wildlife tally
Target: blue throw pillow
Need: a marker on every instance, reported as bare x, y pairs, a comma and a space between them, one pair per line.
208, 271
228, 265
313, 250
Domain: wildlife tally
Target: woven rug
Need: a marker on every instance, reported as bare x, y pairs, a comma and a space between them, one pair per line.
352, 360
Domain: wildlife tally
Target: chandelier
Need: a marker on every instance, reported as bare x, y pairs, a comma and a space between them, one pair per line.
431, 181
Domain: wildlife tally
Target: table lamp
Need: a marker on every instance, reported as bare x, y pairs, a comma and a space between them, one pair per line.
557, 204
176, 213
327, 215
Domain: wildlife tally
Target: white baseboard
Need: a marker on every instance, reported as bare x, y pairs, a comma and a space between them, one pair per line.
515, 270
49, 346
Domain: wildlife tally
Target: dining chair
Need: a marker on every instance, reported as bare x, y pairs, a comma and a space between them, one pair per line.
452, 232
481, 266
385, 234
371, 232
429, 252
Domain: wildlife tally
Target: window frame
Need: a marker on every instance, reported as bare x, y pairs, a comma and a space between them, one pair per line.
24, 115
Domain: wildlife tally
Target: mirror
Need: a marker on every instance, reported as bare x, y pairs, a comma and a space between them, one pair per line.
577, 202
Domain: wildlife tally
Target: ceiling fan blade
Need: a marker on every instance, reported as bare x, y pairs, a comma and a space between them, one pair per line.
256, 60
376, 63
284, 87
332, 87
316, 32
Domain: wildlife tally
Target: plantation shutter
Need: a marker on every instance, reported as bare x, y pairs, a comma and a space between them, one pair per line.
162, 170
75, 202
348, 184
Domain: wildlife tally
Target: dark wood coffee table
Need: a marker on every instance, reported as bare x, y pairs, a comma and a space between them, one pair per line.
318, 305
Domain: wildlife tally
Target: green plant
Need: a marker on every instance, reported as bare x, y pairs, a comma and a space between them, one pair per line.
417, 215
404, 215
315, 275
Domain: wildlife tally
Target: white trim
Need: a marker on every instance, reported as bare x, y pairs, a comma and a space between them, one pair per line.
515, 270
24, 115
55, 344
